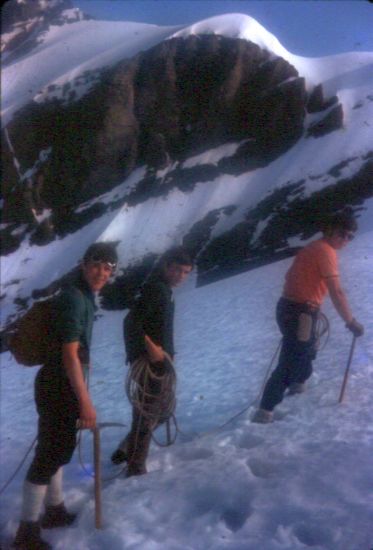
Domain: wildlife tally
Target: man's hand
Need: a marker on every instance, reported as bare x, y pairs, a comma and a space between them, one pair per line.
74, 371
87, 418
356, 328
155, 352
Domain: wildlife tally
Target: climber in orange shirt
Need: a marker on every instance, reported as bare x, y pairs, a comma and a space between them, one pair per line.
312, 275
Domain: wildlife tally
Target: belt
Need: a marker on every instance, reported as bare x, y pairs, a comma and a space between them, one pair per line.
311, 305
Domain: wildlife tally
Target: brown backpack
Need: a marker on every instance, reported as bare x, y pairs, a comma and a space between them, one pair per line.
33, 337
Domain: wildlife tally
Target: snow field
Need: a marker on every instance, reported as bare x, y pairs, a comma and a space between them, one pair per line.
304, 481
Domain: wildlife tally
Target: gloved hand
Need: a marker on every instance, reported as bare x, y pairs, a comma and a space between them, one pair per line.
356, 328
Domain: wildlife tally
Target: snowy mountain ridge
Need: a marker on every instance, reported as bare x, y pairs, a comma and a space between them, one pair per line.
256, 149
238, 146
111, 44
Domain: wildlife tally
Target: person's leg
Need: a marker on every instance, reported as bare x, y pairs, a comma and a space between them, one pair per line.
32, 501
286, 316
279, 380
55, 446
54, 495
304, 351
35, 487
144, 420
56, 514
138, 443
121, 452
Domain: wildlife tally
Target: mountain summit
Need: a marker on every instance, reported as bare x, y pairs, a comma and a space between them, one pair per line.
210, 135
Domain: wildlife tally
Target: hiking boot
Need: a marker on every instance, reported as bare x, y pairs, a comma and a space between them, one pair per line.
57, 516
296, 387
28, 537
136, 470
119, 456
262, 417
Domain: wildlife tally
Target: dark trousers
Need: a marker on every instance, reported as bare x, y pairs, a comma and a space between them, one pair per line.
58, 411
147, 415
297, 323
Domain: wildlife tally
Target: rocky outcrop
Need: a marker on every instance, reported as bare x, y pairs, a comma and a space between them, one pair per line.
331, 122
288, 213
23, 23
181, 97
317, 103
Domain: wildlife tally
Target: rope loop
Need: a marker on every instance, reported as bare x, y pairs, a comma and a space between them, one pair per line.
322, 329
151, 389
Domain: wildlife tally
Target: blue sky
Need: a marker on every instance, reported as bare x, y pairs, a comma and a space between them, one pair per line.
304, 27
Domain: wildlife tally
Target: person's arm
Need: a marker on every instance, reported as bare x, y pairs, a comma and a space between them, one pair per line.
151, 307
155, 352
74, 370
339, 299
341, 304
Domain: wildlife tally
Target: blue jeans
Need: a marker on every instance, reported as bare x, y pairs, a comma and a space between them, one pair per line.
297, 323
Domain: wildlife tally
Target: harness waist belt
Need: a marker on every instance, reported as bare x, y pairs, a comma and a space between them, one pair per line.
311, 305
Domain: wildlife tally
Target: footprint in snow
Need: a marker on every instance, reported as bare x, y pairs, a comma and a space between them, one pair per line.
261, 469
249, 441
313, 534
196, 454
235, 518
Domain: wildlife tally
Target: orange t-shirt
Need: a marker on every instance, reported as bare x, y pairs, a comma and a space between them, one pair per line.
305, 281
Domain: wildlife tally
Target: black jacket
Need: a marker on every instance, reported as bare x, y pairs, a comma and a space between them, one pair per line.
152, 314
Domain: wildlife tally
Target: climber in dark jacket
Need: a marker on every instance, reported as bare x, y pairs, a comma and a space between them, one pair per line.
153, 316
148, 334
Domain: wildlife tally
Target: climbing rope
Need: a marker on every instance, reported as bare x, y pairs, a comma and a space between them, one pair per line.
151, 392
158, 405
322, 331
7, 483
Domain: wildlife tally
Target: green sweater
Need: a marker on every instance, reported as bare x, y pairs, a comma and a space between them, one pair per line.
74, 317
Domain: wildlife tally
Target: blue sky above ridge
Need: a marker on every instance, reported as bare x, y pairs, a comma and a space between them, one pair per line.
304, 27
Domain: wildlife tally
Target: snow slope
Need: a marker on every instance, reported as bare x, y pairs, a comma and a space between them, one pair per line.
91, 45
139, 229
305, 481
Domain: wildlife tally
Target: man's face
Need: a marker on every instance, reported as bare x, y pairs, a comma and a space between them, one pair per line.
339, 238
177, 273
96, 274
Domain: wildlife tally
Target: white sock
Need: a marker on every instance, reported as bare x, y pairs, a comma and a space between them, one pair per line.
33, 498
54, 495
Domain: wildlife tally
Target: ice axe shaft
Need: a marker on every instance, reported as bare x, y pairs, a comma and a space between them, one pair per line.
97, 462
345, 378
168, 431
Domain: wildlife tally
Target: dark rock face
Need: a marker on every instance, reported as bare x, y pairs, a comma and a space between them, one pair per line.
291, 214
316, 102
181, 97
331, 122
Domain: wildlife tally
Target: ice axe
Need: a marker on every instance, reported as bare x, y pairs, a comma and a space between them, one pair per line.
97, 466
345, 378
